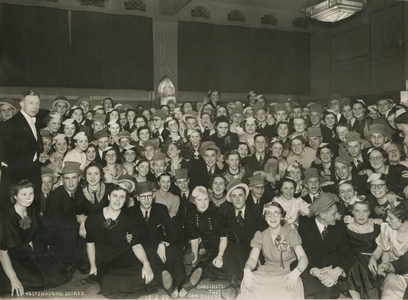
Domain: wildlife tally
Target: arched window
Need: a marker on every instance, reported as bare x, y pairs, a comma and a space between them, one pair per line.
166, 90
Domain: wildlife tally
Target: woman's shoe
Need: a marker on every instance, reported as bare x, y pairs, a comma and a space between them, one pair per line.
192, 282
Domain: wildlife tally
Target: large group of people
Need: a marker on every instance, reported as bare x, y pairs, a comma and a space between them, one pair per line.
281, 200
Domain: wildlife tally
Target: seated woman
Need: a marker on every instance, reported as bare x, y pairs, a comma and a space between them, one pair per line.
52, 122
378, 196
299, 125
206, 223
113, 129
326, 166
129, 159
223, 138
218, 191
244, 152
176, 161
235, 170
280, 245
362, 232
91, 153
60, 145
140, 121
276, 148
163, 196
392, 244
143, 134
192, 147
94, 193
112, 169
70, 128
293, 206
142, 171
119, 263
295, 172
249, 125
77, 154
21, 270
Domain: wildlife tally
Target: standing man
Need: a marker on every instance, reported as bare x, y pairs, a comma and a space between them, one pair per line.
20, 147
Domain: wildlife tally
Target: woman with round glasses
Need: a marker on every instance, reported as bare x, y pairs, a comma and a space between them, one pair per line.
394, 174
281, 245
380, 203
119, 264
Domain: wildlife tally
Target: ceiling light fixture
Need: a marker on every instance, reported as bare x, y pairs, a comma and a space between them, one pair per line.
333, 10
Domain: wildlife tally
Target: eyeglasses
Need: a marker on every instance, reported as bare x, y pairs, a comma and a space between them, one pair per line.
269, 214
377, 186
146, 197
376, 158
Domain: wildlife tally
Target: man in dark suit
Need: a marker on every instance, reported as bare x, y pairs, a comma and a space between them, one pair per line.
258, 160
257, 197
313, 183
326, 245
48, 179
65, 242
354, 147
203, 171
160, 132
159, 235
244, 222
316, 118
102, 138
20, 147
343, 167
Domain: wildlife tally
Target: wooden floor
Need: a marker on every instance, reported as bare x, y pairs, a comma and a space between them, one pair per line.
75, 290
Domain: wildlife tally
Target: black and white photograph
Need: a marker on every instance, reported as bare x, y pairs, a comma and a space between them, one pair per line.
204, 149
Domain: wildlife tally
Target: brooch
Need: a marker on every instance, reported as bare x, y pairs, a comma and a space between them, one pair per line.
109, 223
25, 223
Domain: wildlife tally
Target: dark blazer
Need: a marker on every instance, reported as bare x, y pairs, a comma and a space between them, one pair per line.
253, 223
258, 207
18, 147
60, 209
165, 133
161, 227
360, 181
326, 133
334, 250
198, 174
254, 165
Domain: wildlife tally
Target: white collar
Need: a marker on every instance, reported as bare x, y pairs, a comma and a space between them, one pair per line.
243, 212
320, 226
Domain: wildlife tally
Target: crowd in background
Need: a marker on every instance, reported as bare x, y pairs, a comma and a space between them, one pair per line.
279, 199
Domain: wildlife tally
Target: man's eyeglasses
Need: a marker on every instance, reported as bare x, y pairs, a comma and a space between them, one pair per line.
146, 197
377, 186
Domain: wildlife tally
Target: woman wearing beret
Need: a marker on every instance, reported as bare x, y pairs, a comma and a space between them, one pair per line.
77, 154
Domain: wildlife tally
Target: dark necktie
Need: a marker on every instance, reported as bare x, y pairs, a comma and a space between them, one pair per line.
146, 218
72, 195
240, 219
324, 233
184, 197
260, 160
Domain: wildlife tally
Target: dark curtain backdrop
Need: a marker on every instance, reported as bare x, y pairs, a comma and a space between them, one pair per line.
107, 51
112, 51
240, 59
34, 46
